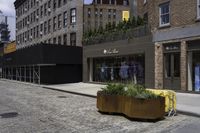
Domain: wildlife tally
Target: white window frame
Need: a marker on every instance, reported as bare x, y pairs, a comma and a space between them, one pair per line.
198, 9
160, 19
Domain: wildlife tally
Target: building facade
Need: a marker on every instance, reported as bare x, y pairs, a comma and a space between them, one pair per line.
49, 21
121, 60
102, 12
175, 26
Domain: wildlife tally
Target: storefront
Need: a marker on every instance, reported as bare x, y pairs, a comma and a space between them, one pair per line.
194, 66
120, 61
128, 68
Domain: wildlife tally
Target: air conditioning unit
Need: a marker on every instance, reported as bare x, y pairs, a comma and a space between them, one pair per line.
28, 22
41, 33
31, 37
18, 41
37, 17
37, 0
25, 9
24, 39
49, 9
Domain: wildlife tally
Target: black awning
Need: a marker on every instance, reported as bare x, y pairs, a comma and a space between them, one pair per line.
44, 54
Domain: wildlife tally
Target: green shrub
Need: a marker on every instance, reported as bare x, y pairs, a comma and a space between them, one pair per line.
132, 90
114, 89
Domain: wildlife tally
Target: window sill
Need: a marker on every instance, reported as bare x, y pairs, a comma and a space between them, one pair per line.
164, 26
198, 19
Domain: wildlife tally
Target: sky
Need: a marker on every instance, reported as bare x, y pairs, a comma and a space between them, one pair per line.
7, 7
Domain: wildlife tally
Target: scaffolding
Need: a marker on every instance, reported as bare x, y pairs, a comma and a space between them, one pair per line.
30, 73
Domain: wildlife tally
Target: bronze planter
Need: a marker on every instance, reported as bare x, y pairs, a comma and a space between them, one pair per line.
144, 108
110, 103
131, 107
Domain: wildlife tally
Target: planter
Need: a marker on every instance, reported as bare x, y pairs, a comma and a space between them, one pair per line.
144, 108
131, 107
110, 103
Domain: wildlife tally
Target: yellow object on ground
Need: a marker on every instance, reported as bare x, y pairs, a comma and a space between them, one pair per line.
170, 99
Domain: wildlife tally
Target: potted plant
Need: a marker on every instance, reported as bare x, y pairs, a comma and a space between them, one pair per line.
132, 100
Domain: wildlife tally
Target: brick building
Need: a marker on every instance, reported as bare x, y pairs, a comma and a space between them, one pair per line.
102, 12
175, 26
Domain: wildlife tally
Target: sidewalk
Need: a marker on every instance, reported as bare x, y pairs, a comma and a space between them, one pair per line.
186, 103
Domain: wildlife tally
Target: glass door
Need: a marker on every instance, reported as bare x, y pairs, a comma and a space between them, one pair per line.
172, 71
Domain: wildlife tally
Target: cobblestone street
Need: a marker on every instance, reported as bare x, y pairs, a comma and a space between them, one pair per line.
30, 108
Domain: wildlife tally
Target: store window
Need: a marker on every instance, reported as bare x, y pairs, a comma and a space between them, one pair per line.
198, 9
119, 69
164, 14
196, 71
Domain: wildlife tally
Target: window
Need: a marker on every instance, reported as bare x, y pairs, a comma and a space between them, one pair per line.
54, 40
96, 12
41, 11
54, 23
101, 13
145, 17
65, 19
59, 3
45, 9
59, 39
89, 12
37, 31
41, 29
49, 41
54, 4
73, 39
49, 26
65, 39
114, 13
109, 13
198, 9
45, 27
164, 14
73, 16
64, 1
59, 21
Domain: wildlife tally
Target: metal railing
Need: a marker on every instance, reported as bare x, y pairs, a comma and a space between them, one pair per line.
118, 35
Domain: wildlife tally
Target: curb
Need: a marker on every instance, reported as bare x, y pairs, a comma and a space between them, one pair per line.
188, 113
77, 93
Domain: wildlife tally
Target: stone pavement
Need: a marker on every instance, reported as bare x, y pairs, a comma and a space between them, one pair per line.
29, 108
186, 103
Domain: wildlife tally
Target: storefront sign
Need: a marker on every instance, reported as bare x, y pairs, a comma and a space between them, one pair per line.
110, 51
168, 48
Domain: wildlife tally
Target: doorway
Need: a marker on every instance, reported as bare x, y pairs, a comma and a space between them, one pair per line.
172, 71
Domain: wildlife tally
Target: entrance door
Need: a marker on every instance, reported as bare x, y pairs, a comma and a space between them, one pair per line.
172, 71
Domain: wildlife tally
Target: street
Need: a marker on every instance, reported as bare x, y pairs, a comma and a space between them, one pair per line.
30, 108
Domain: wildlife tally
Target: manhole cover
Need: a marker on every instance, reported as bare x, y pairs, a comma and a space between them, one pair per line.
9, 115
62, 97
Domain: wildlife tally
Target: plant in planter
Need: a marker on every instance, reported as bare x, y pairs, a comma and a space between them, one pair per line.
132, 100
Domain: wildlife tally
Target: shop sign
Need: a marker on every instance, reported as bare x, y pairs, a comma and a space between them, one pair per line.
110, 51
169, 48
